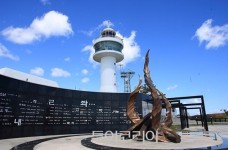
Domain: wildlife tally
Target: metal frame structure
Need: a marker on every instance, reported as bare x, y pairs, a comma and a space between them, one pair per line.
176, 102
127, 80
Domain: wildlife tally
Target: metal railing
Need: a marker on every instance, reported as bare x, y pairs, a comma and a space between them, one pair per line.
109, 36
204, 133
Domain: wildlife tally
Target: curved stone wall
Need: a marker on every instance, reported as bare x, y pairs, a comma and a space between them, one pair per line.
28, 109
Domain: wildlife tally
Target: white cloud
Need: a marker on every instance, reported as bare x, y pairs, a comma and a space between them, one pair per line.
67, 59
131, 49
45, 2
196, 100
85, 71
189, 101
172, 87
91, 51
88, 33
52, 23
85, 80
58, 72
105, 23
4, 52
214, 36
37, 71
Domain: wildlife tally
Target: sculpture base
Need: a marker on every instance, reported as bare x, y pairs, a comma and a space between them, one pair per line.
189, 141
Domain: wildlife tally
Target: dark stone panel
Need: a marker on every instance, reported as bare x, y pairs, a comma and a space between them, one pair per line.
31, 144
15, 132
28, 109
4, 82
6, 132
38, 130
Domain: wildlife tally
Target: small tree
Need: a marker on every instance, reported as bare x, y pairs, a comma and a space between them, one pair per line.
225, 111
145, 89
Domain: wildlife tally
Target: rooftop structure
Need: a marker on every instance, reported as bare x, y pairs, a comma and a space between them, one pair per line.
27, 77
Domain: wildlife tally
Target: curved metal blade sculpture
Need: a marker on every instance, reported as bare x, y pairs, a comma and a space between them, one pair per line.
152, 121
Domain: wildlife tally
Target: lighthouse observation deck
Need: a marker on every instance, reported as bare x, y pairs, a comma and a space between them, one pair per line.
108, 44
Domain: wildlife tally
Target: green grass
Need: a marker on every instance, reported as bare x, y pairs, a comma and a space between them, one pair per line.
176, 128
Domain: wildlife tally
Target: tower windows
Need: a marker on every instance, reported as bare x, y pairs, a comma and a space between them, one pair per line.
108, 34
108, 45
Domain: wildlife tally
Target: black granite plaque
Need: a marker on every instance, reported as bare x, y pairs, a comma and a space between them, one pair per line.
28, 109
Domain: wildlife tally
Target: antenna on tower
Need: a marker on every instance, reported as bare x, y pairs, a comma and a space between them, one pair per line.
126, 75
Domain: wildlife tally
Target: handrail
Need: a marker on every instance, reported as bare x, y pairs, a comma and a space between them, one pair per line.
204, 133
110, 37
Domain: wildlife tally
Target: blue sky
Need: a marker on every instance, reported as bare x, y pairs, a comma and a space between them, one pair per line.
188, 42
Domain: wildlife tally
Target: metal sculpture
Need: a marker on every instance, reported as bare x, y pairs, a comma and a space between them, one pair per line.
152, 121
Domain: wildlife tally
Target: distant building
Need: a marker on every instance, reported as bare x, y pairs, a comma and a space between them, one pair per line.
27, 77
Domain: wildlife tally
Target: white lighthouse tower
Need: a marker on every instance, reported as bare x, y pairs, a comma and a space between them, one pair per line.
108, 51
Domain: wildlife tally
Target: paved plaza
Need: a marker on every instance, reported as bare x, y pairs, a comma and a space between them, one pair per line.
74, 141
